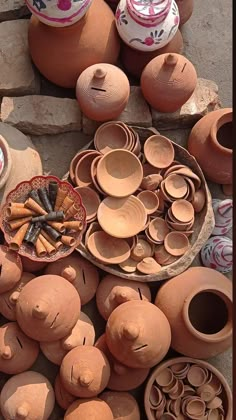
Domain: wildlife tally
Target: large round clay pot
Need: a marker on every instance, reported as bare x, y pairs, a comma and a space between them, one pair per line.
48, 308
32, 266
212, 136
134, 61
89, 409
61, 54
200, 314
11, 269
138, 335
185, 10
63, 397
122, 404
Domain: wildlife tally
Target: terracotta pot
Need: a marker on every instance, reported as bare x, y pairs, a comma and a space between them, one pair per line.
11, 269
134, 61
168, 81
85, 371
75, 47
48, 308
122, 404
19, 400
79, 272
185, 10
63, 398
200, 315
212, 136
32, 266
138, 335
113, 291
85, 409
8, 299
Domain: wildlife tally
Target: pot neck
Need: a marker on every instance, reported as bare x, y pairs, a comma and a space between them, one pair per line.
224, 119
67, 29
148, 14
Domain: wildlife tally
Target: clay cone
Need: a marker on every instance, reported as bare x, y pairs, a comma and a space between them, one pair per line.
68, 240
17, 223
17, 212
61, 194
40, 248
49, 247
32, 205
17, 240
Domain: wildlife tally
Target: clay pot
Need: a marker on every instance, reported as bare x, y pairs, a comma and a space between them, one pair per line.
131, 334
212, 136
48, 308
122, 404
79, 272
102, 91
20, 400
217, 253
8, 299
123, 378
223, 214
72, 44
11, 269
168, 81
5, 161
82, 334
85, 371
85, 409
134, 61
32, 266
200, 315
185, 10
113, 291
63, 398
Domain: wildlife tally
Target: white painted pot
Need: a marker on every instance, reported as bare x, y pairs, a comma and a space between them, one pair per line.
217, 253
147, 25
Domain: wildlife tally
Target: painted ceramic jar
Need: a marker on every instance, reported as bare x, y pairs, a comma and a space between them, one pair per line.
58, 12
223, 212
147, 25
217, 253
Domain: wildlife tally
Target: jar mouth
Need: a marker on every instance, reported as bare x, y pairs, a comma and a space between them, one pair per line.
144, 12
222, 132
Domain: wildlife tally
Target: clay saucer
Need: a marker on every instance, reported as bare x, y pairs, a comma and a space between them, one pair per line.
196, 376
159, 151
182, 210
176, 186
149, 200
94, 174
176, 243
90, 200
74, 162
122, 217
5, 161
158, 229
110, 136
148, 266
83, 169
119, 173
129, 265
107, 249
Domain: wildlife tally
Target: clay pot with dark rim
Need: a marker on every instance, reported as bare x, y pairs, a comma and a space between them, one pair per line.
200, 315
122, 404
185, 10
89, 408
11, 269
212, 136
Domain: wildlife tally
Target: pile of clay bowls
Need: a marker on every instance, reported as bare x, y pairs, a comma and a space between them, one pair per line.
182, 388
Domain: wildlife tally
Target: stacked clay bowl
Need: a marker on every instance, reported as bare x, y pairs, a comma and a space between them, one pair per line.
147, 203
185, 388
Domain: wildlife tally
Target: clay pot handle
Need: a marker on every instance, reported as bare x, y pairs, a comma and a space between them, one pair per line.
14, 297
99, 73
171, 60
23, 411
85, 378
40, 311
130, 330
6, 353
119, 369
69, 274
120, 295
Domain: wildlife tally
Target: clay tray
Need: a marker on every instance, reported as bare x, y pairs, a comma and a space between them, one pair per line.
203, 226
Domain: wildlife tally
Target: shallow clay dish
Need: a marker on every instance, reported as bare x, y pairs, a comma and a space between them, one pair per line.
110, 136
182, 210
159, 151
107, 249
149, 200
122, 217
83, 169
176, 243
119, 173
90, 200
176, 186
158, 229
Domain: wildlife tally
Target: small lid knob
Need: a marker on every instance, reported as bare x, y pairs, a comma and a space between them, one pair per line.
22, 411
67, 344
69, 273
100, 73
131, 330
85, 378
6, 353
171, 60
120, 295
40, 311
14, 297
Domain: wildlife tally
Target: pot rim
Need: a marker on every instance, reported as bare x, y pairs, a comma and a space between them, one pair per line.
218, 123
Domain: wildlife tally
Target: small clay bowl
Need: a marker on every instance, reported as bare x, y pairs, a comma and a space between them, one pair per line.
74, 162
94, 227
83, 170
94, 174
129, 265
187, 172
191, 186
122, 217
195, 407
176, 243
165, 195
158, 230
159, 151
199, 200
90, 200
206, 393
107, 249
183, 211
136, 149
151, 182
179, 392
165, 377
173, 167
148, 266
5, 161
168, 416
176, 186
119, 173
110, 136
149, 200
215, 403
196, 376
149, 238
180, 226
155, 397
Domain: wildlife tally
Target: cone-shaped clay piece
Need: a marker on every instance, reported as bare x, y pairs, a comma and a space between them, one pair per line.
138, 335
82, 334
10, 269
28, 395
17, 351
64, 399
81, 273
32, 266
85, 371
122, 404
8, 299
113, 291
89, 409
48, 308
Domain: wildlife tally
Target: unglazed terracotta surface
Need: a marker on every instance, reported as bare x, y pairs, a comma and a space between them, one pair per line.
122, 404
5, 161
185, 10
11, 268
63, 398
32, 266
89, 408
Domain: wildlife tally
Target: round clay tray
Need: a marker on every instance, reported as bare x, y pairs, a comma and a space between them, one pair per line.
110, 136
90, 200
119, 173
5, 161
159, 151
176, 243
107, 249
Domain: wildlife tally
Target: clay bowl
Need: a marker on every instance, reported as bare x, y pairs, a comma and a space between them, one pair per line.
119, 173
110, 136
183, 211
122, 217
176, 243
225, 396
158, 230
176, 186
149, 169
136, 149
90, 200
83, 169
94, 174
149, 200
5, 161
107, 249
159, 151
20, 194
74, 162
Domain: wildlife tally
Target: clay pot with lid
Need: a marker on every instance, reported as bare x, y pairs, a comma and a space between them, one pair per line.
11, 269
113, 291
168, 81
137, 335
48, 308
85, 371
79, 272
28, 395
212, 136
122, 404
32, 266
64, 399
200, 315
91, 40
185, 10
89, 409
102, 91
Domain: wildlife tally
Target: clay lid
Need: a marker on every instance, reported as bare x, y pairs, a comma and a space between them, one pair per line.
119, 173
176, 243
159, 151
149, 200
182, 210
11, 269
90, 200
108, 249
148, 266
176, 186
129, 214
158, 229
89, 408
122, 404
83, 169
111, 136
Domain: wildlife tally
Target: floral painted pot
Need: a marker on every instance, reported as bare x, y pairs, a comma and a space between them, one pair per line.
58, 12
223, 213
147, 25
217, 253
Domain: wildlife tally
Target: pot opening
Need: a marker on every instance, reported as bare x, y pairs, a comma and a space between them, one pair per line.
208, 313
225, 135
